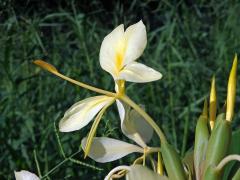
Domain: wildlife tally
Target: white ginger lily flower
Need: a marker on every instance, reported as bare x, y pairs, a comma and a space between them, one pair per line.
119, 51
25, 175
134, 172
118, 54
105, 149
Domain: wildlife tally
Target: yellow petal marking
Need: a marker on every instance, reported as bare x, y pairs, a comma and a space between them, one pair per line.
120, 50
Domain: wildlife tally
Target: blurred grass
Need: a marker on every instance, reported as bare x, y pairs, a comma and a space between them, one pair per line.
188, 42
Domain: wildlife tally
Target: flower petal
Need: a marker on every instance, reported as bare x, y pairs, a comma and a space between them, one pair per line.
107, 149
139, 73
25, 175
141, 126
136, 38
108, 50
115, 170
81, 113
133, 125
142, 172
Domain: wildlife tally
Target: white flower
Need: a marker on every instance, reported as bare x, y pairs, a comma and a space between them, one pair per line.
118, 54
105, 149
136, 172
25, 175
119, 51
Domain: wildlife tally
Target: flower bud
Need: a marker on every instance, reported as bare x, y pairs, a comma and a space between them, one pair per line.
231, 94
212, 103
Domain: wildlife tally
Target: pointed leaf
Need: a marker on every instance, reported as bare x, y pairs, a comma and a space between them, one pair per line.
172, 162
200, 146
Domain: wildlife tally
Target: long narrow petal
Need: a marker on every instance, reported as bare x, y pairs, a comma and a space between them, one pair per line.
136, 39
93, 129
107, 149
81, 113
25, 175
108, 50
133, 125
139, 73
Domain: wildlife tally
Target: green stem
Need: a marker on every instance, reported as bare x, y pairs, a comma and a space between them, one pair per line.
152, 123
61, 163
37, 164
86, 86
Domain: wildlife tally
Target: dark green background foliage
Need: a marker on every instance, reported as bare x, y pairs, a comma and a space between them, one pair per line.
188, 42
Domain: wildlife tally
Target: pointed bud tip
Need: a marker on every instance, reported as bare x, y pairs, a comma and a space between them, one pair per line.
212, 102
231, 95
213, 95
45, 66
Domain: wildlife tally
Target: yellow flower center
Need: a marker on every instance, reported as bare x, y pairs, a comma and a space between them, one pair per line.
120, 50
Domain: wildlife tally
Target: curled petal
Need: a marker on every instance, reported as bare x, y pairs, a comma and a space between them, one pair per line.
81, 113
139, 73
115, 170
133, 125
25, 175
105, 149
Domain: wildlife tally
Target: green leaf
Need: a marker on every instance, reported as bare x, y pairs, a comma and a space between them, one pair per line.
234, 148
218, 143
237, 175
211, 173
200, 146
172, 162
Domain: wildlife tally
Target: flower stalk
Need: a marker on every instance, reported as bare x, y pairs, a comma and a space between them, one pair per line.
159, 132
54, 71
